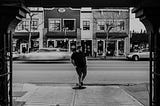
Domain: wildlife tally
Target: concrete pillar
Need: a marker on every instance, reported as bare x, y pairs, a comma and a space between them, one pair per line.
150, 18
9, 18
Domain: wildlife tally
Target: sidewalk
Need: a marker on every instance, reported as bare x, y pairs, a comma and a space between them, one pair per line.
65, 95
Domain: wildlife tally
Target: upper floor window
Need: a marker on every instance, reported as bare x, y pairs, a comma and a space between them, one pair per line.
101, 25
34, 25
118, 25
25, 25
54, 24
86, 25
115, 25
69, 24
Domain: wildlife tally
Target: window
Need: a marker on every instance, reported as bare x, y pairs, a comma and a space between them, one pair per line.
34, 25
121, 25
54, 24
101, 25
19, 26
86, 25
69, 24
23, 25
118, 25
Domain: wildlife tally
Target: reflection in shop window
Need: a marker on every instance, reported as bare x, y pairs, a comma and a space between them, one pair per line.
69, 24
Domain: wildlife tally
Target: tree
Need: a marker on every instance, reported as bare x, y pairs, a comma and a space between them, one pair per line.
29, 28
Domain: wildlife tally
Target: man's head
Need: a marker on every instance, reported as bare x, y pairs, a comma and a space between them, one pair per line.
79, 48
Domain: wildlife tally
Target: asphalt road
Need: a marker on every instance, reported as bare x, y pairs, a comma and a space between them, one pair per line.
99, 72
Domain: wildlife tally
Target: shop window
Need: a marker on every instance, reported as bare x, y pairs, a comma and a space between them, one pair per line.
54, 24
86, 25
69, 24
62, 44
73, 45
50, 44
121, 47
100, 47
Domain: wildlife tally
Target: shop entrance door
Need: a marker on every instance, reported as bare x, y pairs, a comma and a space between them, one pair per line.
111, 48
87, 47
100, 47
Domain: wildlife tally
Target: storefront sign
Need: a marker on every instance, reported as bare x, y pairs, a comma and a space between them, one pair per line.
61, 10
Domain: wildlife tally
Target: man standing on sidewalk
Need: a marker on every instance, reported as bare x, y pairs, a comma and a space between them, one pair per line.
79, 60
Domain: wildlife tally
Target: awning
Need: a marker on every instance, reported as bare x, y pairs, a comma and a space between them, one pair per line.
61, 35
140, 38
25, 35
112, 35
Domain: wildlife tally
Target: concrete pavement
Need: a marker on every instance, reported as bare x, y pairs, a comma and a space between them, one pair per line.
65, 95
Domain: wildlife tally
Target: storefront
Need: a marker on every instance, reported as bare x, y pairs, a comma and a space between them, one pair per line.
115, 46
68, 44
21, 39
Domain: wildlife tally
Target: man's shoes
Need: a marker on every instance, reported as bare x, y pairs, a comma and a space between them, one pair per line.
79, 85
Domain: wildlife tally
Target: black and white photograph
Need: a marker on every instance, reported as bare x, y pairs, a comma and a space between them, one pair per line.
79, 53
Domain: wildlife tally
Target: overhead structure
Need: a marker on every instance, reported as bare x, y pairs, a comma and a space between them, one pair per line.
146, 10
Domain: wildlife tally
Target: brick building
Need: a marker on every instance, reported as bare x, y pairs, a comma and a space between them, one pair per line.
61, 27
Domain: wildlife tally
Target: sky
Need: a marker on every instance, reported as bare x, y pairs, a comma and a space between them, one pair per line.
135, 24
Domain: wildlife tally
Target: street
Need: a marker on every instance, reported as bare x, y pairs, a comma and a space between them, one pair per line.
99, 72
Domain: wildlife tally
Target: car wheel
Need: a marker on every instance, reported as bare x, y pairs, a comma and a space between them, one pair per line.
136, 58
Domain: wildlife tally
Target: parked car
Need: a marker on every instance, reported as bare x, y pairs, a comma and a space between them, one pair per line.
47, 54
137, 55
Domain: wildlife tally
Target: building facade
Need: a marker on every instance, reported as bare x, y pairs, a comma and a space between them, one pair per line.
31, 28
61, 27
111, 31
86, 22
98, 31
